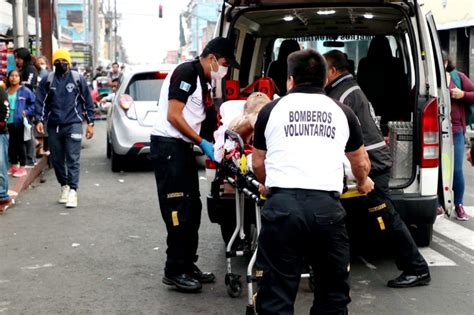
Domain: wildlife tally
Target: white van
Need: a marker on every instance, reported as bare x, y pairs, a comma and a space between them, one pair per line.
417, 125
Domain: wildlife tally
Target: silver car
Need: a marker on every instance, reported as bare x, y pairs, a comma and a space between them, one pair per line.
133, 113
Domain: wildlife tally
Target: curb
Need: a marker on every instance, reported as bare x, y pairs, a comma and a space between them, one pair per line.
24, 182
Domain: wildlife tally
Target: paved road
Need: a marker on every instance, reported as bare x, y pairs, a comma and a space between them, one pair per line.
106, 256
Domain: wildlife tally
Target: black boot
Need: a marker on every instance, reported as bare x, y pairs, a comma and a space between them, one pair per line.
203, 277
183, 282
406, 280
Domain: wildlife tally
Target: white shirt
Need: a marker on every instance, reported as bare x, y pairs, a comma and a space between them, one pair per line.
306, 135
184, 85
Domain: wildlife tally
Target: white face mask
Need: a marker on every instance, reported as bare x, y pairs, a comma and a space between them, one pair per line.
220, 73
43, 67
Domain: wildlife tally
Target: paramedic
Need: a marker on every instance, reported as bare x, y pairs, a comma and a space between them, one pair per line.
300, 142
343, 87
185, 95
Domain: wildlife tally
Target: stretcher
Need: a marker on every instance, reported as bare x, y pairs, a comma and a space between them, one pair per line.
235, 169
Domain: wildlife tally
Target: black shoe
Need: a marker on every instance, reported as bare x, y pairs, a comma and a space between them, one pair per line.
203, 277
183, 282
408, 281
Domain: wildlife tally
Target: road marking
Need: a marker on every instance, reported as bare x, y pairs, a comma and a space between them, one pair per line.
455, 231
469, 211
37, 267
454, 249
434, 258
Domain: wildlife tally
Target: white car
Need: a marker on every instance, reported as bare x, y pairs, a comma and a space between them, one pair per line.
132, 114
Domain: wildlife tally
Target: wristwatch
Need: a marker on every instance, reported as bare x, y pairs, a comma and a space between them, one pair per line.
91, 124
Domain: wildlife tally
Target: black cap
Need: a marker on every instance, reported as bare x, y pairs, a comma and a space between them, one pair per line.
224, 48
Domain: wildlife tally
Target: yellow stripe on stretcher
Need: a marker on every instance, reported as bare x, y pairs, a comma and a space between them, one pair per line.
381, 223
243, 164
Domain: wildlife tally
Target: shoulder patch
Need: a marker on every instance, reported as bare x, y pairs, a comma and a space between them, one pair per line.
185, 86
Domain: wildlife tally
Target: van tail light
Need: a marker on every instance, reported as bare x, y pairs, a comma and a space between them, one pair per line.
139, 144
430, 135
210, 164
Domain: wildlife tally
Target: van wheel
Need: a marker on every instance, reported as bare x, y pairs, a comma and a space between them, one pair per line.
423, 234
108, 150
117, 162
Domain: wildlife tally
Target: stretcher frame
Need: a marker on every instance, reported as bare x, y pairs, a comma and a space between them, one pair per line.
245, 185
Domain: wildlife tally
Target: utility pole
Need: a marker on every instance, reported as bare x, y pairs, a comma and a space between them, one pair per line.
95, 34
115, 31
19, 24
46, 13
37, 27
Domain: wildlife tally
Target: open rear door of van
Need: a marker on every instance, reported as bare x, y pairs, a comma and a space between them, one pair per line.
247, 3
445, 192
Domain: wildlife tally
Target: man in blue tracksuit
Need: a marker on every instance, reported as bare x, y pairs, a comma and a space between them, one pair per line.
64, 102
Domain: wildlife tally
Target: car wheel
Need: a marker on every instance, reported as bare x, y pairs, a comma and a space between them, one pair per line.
108, 149
117, 162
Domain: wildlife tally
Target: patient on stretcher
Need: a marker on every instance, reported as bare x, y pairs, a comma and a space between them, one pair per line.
239, 116
245, 124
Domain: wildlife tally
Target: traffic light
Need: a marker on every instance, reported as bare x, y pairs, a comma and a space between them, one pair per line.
160, 11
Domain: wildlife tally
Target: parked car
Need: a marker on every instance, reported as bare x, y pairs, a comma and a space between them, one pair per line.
132, 114
420, 137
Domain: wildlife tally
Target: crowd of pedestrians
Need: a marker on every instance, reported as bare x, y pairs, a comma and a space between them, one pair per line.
21, 110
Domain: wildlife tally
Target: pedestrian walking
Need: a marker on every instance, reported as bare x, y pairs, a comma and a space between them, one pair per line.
343, 87
28, 72
300, 143
115, 73
22, 106
461, 91
43, 67
185, 95
29, 78
5, 199
64, 103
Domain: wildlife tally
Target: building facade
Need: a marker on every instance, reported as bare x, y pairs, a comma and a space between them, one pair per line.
455, 23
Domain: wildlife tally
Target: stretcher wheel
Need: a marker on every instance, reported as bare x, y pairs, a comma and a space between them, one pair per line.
234, 287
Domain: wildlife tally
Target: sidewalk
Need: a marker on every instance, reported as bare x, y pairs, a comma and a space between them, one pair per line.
17, 185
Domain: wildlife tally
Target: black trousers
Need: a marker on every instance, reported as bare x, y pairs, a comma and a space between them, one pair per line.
16, 148
177, 181
298, 224
384, 218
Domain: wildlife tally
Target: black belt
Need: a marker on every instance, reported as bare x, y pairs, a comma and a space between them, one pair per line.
308, 192
171, 140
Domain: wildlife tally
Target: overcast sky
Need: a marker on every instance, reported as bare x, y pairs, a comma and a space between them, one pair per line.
147, 37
